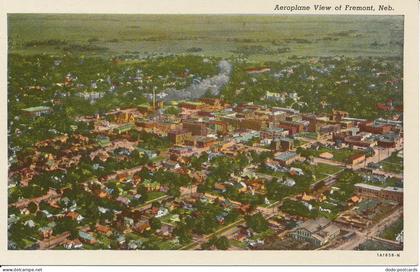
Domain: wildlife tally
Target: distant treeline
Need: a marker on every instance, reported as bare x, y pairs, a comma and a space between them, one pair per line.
259, 49
65, 45
52, 42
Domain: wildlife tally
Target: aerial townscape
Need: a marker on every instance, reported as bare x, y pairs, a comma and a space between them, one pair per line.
129, 132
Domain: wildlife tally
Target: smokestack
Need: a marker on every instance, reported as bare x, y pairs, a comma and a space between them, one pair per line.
154, 99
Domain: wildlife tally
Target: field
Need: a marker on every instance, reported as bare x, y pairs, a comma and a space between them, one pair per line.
391, 232
320, 171
208, 35
340, 155
393, 164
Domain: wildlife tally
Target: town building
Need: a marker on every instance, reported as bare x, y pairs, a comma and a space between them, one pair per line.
370, 126
179, 136
388, 193
316, 231
273, 133
196, 128
282, 144
356, 159
286, 158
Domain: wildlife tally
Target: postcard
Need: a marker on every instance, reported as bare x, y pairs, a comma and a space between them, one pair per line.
240, 133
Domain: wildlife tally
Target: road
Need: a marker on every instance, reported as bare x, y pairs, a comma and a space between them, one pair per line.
230, 229
361, 237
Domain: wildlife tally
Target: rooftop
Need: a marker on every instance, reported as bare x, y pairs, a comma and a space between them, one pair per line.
367, 186
285, 156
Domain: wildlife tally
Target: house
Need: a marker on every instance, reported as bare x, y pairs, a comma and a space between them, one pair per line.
87, 238
171, 165
75, 244
103, 229
166, 229
161, 212
142, 226
75, 216
289, 182
296, 171
150, 154
220, 186
29, 223
123, 200
316, 231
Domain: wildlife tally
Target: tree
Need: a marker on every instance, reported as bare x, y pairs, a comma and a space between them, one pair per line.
172, 110
183, 233
32, 207
222, 243
256, 222
155, 223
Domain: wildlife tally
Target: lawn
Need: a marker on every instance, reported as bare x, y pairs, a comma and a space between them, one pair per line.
311, 135
154, 195
393, 164
341, 155
391, 232
321, 170
298, 142
238, 244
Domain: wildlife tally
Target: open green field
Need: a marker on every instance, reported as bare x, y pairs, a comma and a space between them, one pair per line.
262, 37
340, 155
393, 164
320, 171
391, 231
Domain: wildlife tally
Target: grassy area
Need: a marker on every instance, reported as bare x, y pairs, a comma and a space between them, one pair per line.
154, 195
320, 171
238, 244
391, 231
310, 135
393, 164
341, 155
298, 142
